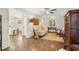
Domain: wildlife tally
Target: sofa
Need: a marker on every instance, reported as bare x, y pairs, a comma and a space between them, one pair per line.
40, 30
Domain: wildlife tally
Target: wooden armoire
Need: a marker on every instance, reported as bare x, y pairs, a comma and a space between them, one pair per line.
71, 28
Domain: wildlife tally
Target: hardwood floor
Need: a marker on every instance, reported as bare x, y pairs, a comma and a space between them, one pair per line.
19, 43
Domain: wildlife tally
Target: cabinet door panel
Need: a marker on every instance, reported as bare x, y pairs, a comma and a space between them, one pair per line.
74, 35
74, 20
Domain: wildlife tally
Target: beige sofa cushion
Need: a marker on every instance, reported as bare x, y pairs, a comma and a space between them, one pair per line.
38, 28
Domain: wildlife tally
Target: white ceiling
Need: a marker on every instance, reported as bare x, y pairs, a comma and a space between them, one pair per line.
37, 11
34, 10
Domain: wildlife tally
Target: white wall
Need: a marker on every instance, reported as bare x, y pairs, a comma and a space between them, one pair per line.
27, 29
60, 13
59, 21
15, 16
4, 12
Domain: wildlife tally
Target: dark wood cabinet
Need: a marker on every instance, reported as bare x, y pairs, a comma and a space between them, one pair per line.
71, 28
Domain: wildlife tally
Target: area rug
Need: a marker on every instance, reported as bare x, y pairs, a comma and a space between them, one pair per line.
53, 37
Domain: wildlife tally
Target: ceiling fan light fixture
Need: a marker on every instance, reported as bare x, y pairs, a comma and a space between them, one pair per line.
47, 12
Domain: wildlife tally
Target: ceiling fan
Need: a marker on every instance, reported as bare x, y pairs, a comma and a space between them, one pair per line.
48, 10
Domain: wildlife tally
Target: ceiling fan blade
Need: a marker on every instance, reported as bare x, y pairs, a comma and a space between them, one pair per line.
53, 9
46, 8
51, 12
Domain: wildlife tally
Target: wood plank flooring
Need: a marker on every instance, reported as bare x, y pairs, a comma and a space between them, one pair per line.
18, 43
